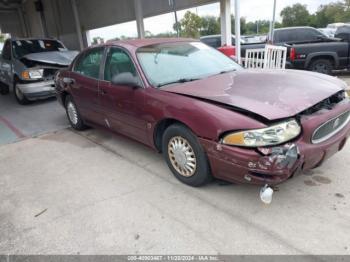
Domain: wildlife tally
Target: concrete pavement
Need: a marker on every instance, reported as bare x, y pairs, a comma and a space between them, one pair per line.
96, 193
17, 121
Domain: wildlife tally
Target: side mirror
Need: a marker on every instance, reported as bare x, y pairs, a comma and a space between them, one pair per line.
126, 79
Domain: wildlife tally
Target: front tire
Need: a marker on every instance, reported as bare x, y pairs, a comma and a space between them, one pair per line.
185, 156
73, 115
20, 97
323, 66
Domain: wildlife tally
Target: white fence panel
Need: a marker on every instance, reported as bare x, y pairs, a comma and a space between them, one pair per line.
270, 57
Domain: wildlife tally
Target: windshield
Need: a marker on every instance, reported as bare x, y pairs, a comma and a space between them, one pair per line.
25, 47
170, 63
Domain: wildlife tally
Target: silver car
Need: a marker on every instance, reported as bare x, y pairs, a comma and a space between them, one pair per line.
28, 67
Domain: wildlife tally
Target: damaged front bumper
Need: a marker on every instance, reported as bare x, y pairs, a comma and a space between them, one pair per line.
37, 90
274, 165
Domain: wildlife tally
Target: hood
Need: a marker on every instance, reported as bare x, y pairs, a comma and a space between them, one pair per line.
63, 58
271, 94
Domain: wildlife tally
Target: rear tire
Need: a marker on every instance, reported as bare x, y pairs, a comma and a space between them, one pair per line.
185, 156
323, 66
73, 115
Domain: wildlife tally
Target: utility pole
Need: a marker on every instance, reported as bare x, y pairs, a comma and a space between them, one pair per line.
238, 30
173, 5
272, 23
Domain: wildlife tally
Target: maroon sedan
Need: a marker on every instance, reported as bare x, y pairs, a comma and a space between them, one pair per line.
207, 115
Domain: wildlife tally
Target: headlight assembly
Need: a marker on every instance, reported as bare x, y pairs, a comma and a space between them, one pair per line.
32, 74
272, 135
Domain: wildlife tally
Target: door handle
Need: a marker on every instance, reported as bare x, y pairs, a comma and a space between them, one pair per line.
103, 92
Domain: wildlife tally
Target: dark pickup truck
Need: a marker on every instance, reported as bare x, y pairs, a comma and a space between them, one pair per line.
309, 49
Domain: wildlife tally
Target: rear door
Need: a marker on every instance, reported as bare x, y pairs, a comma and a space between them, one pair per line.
85, 78
123, 106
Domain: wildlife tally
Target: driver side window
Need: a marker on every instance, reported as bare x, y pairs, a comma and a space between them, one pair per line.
118, 62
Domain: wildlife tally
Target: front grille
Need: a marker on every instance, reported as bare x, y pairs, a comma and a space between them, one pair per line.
49, 73
330, 128
327, 104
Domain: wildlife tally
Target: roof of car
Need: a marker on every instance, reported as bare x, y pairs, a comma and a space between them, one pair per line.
210, 36
148, 41
32, 38
293, 27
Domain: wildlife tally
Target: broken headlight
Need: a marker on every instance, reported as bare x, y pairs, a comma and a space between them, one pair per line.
272, 135
32, 74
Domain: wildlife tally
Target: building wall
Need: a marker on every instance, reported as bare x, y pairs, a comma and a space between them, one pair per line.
59, 20
10, 22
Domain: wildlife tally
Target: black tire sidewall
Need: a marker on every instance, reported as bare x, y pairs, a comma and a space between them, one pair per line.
202, 174
326, 62
80, 124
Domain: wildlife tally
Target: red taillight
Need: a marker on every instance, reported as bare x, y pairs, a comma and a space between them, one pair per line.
292, 54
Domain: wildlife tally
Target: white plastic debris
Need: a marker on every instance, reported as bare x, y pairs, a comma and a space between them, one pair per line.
266, 193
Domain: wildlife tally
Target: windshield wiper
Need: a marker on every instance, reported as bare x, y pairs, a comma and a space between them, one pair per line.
227, 71
181, 80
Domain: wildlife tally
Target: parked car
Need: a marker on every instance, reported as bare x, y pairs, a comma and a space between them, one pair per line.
215, 40
329, 32
205, 113
310, 49
28, 66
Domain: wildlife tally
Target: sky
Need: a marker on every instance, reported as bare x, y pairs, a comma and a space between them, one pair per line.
252, 10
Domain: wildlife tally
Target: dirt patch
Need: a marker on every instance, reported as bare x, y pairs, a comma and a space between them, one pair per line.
66, 137
322, 179
339, 195
310, 183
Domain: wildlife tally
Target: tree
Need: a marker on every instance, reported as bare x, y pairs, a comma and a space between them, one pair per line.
296, 15
210, 25
332, 13
190, 25
2, 38
97, 40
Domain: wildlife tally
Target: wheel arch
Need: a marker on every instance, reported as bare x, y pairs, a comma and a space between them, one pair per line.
161, 126
332, 56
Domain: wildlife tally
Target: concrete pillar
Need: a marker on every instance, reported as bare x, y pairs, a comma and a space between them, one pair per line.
139, 18
238, 30
225, 14
77, 24
23, 23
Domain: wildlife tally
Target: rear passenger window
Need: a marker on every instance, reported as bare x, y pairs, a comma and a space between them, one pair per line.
118, 62
89, 64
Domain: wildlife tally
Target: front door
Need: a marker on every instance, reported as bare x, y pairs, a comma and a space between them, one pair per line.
122, 105
85, 78
6, 65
